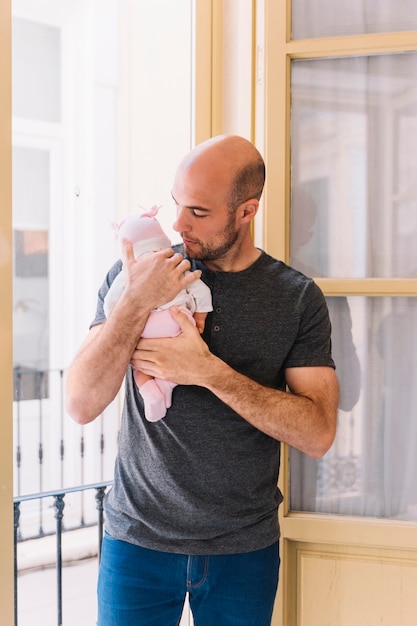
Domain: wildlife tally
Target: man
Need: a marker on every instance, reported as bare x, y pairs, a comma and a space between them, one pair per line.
194, 502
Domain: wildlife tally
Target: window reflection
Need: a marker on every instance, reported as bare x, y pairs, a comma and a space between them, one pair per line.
36, 70
31, 253
354, 166
370, 470
327, 18
31, 205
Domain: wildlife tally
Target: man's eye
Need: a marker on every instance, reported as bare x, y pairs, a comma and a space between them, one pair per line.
197, 213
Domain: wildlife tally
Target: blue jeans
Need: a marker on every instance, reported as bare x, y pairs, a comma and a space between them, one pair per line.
141, 587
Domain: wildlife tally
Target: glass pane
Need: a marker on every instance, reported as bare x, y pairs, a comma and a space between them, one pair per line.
354, 164
83, 173
370, 469
31, 205
36, 71
327, 18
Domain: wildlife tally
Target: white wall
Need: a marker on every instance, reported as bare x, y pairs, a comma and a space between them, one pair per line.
155, 103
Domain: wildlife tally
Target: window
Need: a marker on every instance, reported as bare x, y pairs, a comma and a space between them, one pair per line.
354, 195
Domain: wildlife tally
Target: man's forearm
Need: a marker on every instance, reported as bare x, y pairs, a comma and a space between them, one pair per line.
306, 422
304, 418
97, 372
98, 369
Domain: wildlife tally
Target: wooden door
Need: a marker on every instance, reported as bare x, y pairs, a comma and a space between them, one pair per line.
340, 130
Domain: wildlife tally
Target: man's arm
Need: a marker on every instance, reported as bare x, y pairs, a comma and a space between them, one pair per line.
97, 372
304, 418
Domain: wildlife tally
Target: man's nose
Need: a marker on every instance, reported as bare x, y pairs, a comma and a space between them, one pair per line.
180, 224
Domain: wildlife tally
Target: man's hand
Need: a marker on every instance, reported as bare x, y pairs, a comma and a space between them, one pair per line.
180, 359
97, 372
155, 278
304, 418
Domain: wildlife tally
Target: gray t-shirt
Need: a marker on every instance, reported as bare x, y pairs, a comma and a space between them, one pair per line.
203, 480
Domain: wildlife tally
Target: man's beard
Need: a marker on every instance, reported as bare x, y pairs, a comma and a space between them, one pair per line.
207, 252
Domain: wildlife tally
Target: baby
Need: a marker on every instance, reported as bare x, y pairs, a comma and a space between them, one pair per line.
146, 236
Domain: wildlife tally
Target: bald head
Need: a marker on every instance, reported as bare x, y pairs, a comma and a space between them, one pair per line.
234, 160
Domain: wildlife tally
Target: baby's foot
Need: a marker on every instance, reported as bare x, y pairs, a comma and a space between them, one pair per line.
154, 401
166, 388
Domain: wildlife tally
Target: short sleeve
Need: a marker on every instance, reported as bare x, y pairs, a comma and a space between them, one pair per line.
312, 346
202, 296
100, 316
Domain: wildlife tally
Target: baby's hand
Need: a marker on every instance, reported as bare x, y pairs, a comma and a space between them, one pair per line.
200, 321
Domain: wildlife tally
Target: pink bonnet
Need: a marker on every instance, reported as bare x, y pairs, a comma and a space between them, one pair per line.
144, 232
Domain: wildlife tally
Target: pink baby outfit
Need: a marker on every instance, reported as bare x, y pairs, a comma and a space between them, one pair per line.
146, 235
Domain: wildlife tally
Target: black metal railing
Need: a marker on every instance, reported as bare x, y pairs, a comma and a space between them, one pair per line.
58, 498
51, 451
52, 454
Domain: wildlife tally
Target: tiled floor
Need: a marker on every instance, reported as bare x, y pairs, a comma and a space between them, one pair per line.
37, 592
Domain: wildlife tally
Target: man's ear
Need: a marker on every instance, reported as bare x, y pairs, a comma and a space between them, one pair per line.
249, 210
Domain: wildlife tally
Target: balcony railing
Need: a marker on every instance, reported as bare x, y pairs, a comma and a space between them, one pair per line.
52, 454
59, 500
51, 451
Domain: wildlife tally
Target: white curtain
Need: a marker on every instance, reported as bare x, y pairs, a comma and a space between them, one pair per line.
354, 215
